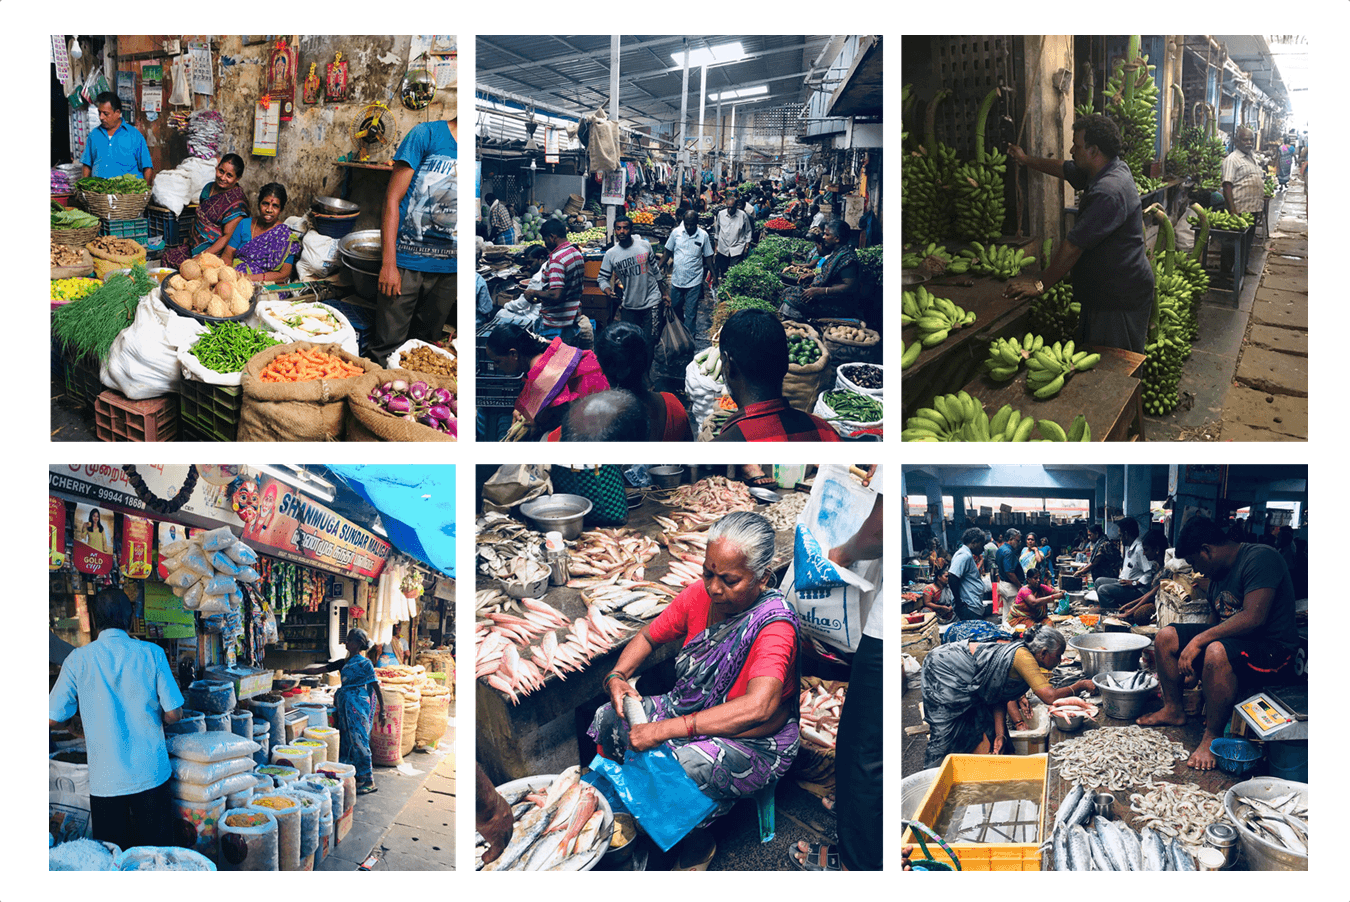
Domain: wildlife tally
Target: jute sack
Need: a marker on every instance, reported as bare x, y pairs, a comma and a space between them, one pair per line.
411, 712
802, 384
74, 272
386, 739
366, 422
295, 411
105, 263
849, 350
433, 719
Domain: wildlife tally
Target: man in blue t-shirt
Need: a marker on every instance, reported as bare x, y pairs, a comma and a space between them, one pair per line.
417, 275
964, 576
1010, 577
114, 148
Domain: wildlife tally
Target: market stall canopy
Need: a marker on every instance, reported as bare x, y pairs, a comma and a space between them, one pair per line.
416, 505
1256, 56
570, 74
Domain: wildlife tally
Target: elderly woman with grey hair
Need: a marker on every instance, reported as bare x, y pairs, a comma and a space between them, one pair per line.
967, 687
355, 704
732, 718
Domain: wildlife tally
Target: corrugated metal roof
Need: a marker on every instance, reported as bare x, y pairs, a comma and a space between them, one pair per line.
571, 73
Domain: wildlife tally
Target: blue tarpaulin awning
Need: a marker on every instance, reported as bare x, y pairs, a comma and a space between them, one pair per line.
416, 505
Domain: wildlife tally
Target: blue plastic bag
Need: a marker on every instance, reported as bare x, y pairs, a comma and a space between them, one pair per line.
660, 795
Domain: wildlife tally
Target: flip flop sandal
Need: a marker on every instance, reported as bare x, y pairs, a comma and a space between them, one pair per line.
366, 789
760, 482
819, 857
828, 802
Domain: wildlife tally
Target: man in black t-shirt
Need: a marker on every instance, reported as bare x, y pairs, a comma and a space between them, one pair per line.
1253, 643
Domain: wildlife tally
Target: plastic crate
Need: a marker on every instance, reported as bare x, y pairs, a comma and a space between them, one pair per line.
119, 419
137, 230
987, 769
173, 229
210, 412
83, 385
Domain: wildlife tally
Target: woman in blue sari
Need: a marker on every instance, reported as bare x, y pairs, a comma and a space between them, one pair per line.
356, 702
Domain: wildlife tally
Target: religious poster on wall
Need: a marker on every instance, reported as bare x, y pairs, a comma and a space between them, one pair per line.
56, 533
93, 540
310, 92
336, 85
138, 542
279, 82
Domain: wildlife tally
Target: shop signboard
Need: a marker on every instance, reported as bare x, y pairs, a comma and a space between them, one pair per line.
93, 540
296, 528
107, 484
56, 533
138, 543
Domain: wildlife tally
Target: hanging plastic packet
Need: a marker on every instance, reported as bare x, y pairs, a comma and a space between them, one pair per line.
661, 796
223, 564
218, 539
242, 554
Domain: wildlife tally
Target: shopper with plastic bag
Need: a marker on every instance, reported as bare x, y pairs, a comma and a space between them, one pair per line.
124, 691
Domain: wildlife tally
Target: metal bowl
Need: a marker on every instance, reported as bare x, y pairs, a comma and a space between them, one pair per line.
543, 781
765, 496
334, 206
617, 856
1124, 704
667, 477
365, 281
363, 244
563, 513
1107, 652
1261, 854
1071, 723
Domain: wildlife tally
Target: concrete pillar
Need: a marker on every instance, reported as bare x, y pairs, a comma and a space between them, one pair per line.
906, 539
1048, 128
1138, 487
1115, 488
1197, 489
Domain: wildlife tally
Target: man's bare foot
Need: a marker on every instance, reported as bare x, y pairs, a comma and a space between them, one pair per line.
1202, 758
1166, 716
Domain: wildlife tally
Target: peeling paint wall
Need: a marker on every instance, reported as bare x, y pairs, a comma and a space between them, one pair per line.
318, 135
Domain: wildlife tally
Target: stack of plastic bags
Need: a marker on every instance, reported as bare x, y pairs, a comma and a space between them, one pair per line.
210, 770
204, 131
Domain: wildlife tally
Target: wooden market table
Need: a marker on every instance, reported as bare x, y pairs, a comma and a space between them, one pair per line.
1110, 395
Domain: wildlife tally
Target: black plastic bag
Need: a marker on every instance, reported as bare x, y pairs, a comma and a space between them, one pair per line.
675, 348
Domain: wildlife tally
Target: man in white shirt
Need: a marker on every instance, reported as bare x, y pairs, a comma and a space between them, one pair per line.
1135, 573
689, 247
125, 693
733, 235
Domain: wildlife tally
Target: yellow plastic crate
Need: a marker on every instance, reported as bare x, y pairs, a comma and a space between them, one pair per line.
986, 769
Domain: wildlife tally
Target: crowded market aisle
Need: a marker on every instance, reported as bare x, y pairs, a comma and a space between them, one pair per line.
1105, 269
1147, 627
253, 238
709, 267
252, 667
629, 624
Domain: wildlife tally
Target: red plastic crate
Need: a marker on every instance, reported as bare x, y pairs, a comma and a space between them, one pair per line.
119, 419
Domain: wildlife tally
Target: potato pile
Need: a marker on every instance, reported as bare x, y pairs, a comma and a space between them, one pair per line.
205, 284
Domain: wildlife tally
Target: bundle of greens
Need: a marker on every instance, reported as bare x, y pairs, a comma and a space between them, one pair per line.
72, 219
90, 325
751, 279
123, 184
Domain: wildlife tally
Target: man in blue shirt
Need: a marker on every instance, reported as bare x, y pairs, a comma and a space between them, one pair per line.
114, 148
1009, 574
417, 274
964, 576
125, 693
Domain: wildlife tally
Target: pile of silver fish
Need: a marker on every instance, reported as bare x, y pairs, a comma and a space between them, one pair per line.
783, 514
1140, 680
1082, 842
1179, 810
608, 554
1282, 821
1117, 757
556, 829
509, 550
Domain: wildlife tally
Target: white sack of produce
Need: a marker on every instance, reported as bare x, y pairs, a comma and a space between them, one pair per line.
308, 321
318, 257
702, 387
143, 360
206, 792
248, 841
199, 172
172, 190
208, 772
162, 858
394, 359
843, 425
213, 745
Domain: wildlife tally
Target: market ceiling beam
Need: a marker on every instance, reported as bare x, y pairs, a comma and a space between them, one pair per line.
560, 77
576, 105
574, 57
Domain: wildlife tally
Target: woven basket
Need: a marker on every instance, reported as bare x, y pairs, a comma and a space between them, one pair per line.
75, 237
116, 206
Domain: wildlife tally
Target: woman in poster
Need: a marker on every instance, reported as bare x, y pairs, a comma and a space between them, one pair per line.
95, 534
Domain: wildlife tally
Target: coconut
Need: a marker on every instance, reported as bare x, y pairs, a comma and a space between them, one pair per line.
211, 276
209, 260
227, 274
244, 288
200, 298
217, 307
225, 290
177, 281
238, 306
191, 270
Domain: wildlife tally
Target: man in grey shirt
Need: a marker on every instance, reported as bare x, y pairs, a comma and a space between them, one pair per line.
629, 262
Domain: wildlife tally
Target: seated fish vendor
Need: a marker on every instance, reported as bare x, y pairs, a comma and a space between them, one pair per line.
1253, 643
732, 717
937, 598
263, 247
967, 687
555, 375
1136, 569
1142, 608
1103, 555
1032, 605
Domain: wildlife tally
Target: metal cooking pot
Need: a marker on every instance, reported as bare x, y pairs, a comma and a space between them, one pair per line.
363, 244
1123, 704
561, 513
1261, 854
334, 206
1107, 652
365, 278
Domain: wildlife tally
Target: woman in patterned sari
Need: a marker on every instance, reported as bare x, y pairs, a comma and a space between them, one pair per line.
356, 702
732, 718
221, 209
263, 247
555, 375
834, 291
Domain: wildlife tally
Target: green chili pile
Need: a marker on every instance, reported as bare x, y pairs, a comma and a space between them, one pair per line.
226, 347
91, 324
852, 406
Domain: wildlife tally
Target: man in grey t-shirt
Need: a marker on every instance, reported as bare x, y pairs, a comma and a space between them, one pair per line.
629, 262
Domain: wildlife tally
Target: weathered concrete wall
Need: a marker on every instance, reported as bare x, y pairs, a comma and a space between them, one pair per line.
318, 135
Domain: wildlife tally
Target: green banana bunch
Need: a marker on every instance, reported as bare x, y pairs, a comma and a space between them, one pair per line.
936, 317
1270, 186
997, 260
1199, 156
978, 186
925, 179
1054, 314
1050, 367
952, 418
1168, 345
1006, 355
909, 354
1079, 430
1225, 221
935, 254
1133, 100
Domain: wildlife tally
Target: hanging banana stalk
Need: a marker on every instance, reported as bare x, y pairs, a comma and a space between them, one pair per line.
925, 176
1054, 314
978, 185
1086, 108
1133, 96
1167, 346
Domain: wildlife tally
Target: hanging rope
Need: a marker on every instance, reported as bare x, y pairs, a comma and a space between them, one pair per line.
153, 502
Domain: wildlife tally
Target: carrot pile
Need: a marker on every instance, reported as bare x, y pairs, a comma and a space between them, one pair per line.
306, 366
726, 403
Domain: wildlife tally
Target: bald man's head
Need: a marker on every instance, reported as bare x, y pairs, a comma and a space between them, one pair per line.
616, 415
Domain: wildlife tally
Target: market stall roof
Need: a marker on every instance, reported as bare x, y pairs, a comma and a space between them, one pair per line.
1252, 53
416, 506
860, 92
571, 73
1280, 481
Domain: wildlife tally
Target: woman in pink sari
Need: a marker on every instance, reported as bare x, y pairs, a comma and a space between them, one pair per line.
219, 214
555, 374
